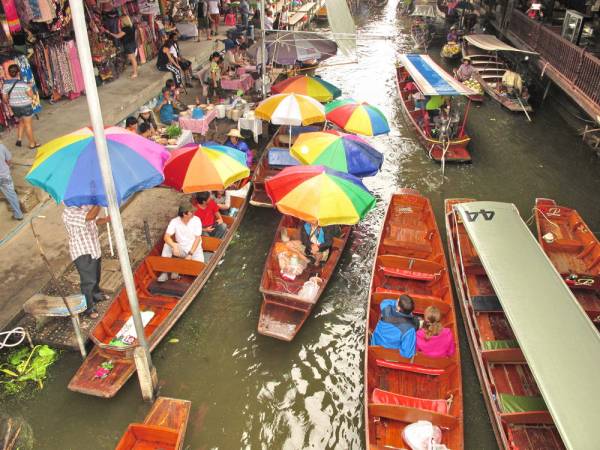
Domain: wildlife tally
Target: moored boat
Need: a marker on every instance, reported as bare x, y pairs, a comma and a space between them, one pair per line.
482, 50
573, 249
444, 139
399, 391
512, 303
284, 308
163, 428
110, 363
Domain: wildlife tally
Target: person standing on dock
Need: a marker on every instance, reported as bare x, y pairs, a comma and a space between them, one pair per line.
82, 223
6, 183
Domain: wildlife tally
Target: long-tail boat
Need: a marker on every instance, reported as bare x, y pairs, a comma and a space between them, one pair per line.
110, 363
399, 391
443, 140
530, 341
483, 52
163, 428
573, 249
273, 160
283, 310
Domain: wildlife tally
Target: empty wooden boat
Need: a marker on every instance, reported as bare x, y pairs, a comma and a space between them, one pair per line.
399, 391
163, 428
273, 160
573, 249
443, 140
110, 363
537, 383
482, 50
283, 310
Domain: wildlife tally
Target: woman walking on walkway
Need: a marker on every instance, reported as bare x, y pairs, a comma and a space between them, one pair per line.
165, 61
214, 13
19, 95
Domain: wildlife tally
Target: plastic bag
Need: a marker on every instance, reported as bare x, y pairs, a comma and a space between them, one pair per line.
422, 435
310, 288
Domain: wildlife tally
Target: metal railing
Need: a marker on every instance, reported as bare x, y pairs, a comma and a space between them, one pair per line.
579, 67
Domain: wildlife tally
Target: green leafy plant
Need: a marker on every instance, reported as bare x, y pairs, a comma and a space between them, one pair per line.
25, 366
173, 132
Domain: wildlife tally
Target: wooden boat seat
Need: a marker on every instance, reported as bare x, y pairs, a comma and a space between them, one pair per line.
486, 303
523, 409
411, 268
422, 302
503, 356
228, 220
141, 436
211, 244
407, 367
500, 344
391, 355
170, 288
407, 414
390, 398
159, 264
565, 245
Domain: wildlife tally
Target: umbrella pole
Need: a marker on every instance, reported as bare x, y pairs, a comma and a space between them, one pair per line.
110, 242
263, 49
290, 140
146, 371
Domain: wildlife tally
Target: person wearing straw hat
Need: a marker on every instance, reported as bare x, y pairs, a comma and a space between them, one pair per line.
236, 140
147, 116
465, 71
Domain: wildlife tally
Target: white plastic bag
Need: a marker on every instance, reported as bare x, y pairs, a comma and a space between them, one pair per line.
422, 435
310, 289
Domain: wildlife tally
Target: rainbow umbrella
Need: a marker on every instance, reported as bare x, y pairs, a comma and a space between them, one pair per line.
290, 109
317, 193
356, 117
314, 87
68, 168
339, 151
208, 167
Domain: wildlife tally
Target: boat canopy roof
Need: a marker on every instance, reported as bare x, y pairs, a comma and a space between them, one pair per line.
430, 78
492, 44
425, 8
559, 342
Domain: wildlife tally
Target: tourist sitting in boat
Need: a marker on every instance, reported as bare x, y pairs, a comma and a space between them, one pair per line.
317, 240
446, 122
208, 212
236, 140
223, 201
183, 238
535, 11
146, 116
145, 130
465, 71
131, 124
397, 326
433, 339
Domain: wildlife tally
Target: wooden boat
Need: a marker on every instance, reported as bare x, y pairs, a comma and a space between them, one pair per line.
273, 160
283, 311
163, 428
167, 301
503, 372
441, 147
321, 13
573, 249
491, 68
410, 260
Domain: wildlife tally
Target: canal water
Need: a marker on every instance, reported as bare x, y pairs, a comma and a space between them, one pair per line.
250, 391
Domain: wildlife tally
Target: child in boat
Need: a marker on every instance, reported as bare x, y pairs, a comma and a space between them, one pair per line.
397, 326
433, 339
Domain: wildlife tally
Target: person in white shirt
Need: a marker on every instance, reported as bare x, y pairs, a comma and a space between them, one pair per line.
269, 20
183, 238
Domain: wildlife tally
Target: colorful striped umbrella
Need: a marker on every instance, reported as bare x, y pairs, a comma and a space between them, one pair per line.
339, 151
356, 117
208, 167
317, 193
314, 87
290, 109
68, 169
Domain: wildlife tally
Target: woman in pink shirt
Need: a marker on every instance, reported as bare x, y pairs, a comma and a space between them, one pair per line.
433, 339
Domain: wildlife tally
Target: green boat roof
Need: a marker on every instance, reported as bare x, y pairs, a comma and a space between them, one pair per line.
559, 342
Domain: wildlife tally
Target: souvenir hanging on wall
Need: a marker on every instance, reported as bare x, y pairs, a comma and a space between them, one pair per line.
10, 10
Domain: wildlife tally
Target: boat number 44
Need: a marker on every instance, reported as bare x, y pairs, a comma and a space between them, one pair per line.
473, 216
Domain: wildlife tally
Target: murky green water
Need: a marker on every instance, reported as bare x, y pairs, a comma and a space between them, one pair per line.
249, 391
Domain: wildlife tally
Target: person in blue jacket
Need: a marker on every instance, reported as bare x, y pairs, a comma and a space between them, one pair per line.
397, 327
235, 140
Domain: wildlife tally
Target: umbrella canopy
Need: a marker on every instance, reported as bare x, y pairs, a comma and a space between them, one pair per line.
208, 167
314, 87
68, 168
339, 151
317, 193
290, 109
356, 117
289, 47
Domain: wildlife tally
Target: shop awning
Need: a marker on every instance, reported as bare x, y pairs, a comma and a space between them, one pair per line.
492, 44
430, 78
560, 343
427, 9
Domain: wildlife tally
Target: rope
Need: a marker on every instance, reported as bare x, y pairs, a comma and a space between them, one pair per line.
530, 220
6, 335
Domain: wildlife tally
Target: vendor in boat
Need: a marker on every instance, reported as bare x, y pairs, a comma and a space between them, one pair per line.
433, 339
397, 327
452, 35
317, 240
144, 130
208, 212
465, 71
146, 116
183, 238
236, 140
131, 124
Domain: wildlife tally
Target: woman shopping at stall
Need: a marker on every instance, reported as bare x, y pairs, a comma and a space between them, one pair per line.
127, 37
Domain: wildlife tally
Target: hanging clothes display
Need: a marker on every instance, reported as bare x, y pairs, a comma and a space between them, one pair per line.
58, 70
10, 11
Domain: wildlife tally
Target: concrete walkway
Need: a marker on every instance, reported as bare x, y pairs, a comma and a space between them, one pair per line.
22, 270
